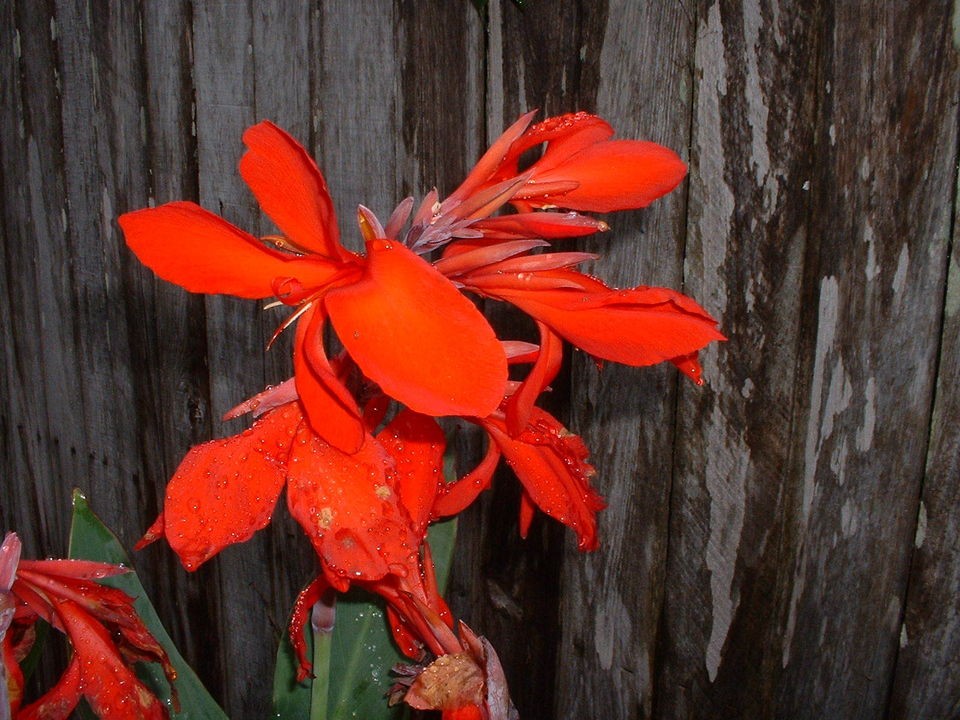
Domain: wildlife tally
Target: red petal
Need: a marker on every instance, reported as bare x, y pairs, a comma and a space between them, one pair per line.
566, 134
689, 365
266, 400
225, 490
184, 244
308, 597
527, 510
469, 712
526, 264
458, 496
345, 504
410, 330
539, 225
455, 262
58, 702
616, 175
153, 533
544, 370
77, 569
9, 559
551, 463
498, 285
37, 603
290, 189
110, 687
417, 445
330, 408
14, 674
489, 165
642, 326
403, 635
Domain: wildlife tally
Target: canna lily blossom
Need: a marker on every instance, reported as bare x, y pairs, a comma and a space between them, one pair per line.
376, 302
581, 167
347, 504
101, 625
365, 513
363, 495
379, 301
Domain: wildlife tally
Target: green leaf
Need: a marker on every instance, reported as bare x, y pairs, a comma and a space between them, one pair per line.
90, 539
359, 654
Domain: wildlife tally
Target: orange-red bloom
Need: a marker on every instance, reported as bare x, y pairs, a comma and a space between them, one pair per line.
102, 626
365, 497
581, 167
376, 302
365, 513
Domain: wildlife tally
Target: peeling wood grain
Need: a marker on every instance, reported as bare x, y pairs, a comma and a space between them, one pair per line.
747, 234
865, 387
927, 678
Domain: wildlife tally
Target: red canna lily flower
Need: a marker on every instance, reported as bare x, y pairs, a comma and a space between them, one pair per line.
365, 497
101, 625
365, 513
456, 366
580, 169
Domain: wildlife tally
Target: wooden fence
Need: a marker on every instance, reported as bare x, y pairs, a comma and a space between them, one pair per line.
781, 543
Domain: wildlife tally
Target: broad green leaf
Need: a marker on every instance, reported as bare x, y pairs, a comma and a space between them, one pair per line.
359, 654
90, 539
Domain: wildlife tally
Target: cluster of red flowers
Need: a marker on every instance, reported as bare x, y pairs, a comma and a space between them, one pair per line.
353, 436
102, 626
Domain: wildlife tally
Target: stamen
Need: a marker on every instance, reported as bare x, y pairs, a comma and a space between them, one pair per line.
282, 243
292, 319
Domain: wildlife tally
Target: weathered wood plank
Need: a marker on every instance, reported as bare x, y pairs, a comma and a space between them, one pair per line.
32, 176
879, 228
168, 328
440, 95
752, 130
927, 678
224, 81
611, 600
357, 109
100, 74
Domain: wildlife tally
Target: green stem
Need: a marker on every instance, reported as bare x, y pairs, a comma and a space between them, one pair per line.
320, 687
